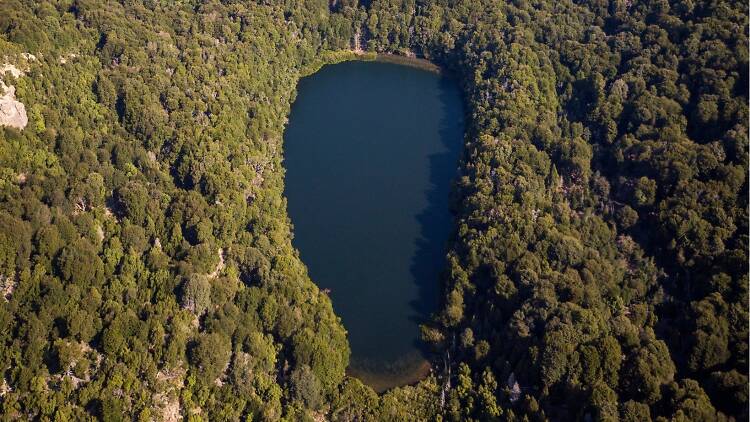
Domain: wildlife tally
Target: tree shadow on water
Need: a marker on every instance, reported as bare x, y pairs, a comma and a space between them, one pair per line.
435, 220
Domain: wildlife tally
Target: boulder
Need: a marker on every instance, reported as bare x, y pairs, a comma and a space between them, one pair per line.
12, 112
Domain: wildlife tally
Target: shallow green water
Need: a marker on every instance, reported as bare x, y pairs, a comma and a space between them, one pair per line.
371, 150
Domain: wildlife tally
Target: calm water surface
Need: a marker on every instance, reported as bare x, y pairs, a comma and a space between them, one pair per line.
370, 152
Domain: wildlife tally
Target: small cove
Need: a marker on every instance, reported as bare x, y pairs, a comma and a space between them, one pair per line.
371, 150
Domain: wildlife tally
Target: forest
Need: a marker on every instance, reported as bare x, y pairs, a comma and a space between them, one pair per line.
598, 267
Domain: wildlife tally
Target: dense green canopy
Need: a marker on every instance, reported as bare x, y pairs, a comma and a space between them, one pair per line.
598, 268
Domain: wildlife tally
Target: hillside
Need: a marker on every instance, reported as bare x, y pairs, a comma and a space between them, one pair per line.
598, 268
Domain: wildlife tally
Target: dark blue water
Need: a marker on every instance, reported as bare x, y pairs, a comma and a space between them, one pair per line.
371, 150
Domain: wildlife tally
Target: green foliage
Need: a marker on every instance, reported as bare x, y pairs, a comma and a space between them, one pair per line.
196, 294
143, 177
306, 387
599, 263
211, 355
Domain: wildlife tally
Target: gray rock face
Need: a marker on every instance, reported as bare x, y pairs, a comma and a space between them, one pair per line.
12, 112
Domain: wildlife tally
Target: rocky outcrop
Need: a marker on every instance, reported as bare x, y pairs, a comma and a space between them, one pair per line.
12, 111
12, 69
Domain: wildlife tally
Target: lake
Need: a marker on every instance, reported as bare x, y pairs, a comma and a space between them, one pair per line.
371, 150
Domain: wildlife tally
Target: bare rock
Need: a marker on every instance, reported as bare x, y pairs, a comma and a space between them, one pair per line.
16, 72
12, 112
7, 286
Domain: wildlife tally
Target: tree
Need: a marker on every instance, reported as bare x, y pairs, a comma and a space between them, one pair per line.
196, 294
79, 263
210, 355
354, 401
710, 341
633, 411
647, 370
305, 387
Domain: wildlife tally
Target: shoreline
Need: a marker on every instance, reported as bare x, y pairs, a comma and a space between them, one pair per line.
329, 57
410, 61
340, 56
381, 382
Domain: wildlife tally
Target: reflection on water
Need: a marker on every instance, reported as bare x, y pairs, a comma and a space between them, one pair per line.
370, 153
